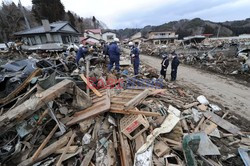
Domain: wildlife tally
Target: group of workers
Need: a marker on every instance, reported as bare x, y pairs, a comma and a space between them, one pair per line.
174, 65
113, 51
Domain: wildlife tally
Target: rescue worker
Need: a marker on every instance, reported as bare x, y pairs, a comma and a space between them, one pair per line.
164, 65
174, 65
81, 53
135, 60
114, 55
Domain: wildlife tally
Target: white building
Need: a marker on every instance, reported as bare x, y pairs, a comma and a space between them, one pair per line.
162, 37
108, 36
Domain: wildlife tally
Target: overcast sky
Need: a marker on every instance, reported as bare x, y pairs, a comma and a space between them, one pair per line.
139, 13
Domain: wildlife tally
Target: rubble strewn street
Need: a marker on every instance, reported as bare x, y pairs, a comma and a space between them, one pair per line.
229, 57
53, 114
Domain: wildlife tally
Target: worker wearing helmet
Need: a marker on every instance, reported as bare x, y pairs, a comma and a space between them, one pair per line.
114, 55
135, 60
81, 53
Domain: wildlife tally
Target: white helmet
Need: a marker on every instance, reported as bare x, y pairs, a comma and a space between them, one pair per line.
116, 40
130, 43
81, 45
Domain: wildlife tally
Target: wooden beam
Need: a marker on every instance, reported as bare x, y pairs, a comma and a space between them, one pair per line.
26, 109
222, 123
96, 109
197, 128
88, 158
38, 151
48, 150
133, 102
90, 85
190, 105
66, 149
72, 149
135, 111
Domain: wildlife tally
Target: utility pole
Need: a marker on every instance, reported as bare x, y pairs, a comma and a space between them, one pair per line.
25, 18
218, 32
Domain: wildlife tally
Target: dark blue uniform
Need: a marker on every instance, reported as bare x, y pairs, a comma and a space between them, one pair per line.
81, 53
114, 55
174, 65
164, 66
135, 60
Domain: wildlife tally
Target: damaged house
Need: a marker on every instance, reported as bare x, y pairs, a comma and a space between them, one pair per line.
108, 35
57, 32
163, 37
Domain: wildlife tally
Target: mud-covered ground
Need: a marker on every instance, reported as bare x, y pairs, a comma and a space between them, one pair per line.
232, 95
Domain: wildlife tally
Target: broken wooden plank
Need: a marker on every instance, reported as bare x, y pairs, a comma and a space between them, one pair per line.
139, 141
88, 158
245, 141
197, 128
222, 123
135, 111
208, 126
90, 85
72, 149
26, 109
38, 151
137, 99
190, 105
66, 149
96, 109
184, 125
115, 139
126, 154
111, 155
48, 150
68, 156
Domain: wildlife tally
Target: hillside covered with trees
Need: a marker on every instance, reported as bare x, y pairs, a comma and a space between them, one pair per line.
195, 26
12, 17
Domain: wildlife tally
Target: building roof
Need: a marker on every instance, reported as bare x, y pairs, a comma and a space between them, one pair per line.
55, 27
108, 30
152, 31
95, 31
89, 37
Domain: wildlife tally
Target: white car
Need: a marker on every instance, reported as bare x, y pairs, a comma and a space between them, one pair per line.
3, 47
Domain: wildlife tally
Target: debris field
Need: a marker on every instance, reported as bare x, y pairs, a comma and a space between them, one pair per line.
55, 113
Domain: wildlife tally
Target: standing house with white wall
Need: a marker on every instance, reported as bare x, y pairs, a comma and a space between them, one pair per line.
58, 32
108, 36
163, 37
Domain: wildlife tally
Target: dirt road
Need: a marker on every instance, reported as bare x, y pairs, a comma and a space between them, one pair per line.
217, 88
